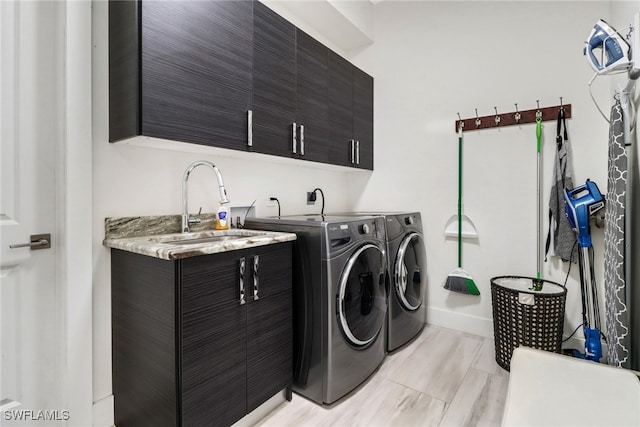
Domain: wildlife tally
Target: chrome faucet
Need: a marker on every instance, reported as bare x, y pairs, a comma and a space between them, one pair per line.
186, 221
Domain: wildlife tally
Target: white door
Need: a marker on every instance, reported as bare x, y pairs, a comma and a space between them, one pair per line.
30, 313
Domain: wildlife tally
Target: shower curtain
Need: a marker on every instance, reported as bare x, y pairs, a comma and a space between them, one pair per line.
616, 297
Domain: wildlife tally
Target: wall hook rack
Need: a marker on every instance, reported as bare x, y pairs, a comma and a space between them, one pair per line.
513, 118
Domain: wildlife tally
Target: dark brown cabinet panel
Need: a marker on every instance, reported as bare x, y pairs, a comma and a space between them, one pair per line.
181, 70
213, 341
144, 340
350, 114
342, 144
312, 97
269, 325
274, 82
186, 351
363, 117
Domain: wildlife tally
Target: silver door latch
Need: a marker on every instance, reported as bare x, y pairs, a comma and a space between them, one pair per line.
38, 241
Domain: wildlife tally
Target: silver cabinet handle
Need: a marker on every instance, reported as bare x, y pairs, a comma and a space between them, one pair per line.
242, 268
302, 140
250, 128
357, 152
38, 241
353, 148
294, 137
256, 262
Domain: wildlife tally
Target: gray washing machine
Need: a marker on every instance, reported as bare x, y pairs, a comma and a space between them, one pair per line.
407, 264
340, 300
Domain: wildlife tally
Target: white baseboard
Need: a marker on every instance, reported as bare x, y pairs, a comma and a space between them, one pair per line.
262, 411
460, 322
484, 327
103, 412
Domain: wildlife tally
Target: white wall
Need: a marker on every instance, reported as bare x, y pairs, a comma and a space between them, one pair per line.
432, 60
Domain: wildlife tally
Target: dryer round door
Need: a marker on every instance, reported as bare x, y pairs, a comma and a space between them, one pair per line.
362, 299
409, 272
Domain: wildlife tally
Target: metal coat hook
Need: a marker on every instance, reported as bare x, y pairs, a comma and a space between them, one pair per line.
517, 116
478, 121
460, 122
538, 112
497, 118
561, 106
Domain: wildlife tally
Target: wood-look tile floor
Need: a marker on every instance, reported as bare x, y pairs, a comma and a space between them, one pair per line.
442, 378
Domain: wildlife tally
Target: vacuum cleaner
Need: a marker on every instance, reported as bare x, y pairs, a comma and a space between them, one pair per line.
581, 204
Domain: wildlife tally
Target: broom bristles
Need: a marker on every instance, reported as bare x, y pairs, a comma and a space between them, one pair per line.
462, 284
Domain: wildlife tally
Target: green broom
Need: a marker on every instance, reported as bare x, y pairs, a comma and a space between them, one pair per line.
458, 279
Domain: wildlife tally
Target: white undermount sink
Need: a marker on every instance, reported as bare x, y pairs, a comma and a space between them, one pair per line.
206, 237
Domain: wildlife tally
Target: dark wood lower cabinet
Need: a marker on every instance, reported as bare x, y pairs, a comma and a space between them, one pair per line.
186, 352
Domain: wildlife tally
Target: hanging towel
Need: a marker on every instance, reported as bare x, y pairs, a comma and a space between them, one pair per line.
617, 314
561, 238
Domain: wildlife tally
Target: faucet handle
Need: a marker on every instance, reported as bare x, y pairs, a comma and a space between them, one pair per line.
198, 220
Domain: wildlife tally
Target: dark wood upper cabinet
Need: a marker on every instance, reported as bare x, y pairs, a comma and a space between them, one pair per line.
234, 74
350, 114
312, 97
181, 70
363, 117
342, 144
274, 82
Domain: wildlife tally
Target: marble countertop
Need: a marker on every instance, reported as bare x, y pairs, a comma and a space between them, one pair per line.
161, 240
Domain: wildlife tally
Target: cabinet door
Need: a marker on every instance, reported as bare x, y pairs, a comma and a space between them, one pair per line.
213, 349
269, 325
341, 147
196, 71
312, 91
363, 117
274, 87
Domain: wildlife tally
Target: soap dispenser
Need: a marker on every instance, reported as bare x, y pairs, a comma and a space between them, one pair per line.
222, 218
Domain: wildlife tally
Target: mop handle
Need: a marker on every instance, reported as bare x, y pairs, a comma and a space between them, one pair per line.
460, 196
538, 202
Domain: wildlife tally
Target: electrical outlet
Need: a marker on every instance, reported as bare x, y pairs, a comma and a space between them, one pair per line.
271, 204
311, 197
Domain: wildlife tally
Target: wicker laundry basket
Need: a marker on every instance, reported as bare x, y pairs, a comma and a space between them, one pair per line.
526, 315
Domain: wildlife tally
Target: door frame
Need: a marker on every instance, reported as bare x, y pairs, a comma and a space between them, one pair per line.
72, 238
73, 145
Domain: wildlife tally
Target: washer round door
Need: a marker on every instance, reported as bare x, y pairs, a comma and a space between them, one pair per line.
362, 297
409, 272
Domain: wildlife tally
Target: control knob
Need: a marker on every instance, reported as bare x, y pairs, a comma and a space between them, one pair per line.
363, 229
408, 220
